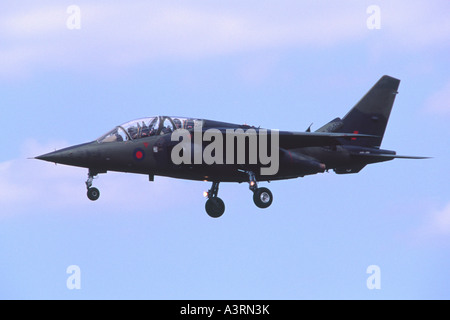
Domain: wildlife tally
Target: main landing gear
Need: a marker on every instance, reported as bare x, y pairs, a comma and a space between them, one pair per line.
262, 197
215, 207
92, 193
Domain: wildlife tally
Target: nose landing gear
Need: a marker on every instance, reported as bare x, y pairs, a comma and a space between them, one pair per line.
92, 193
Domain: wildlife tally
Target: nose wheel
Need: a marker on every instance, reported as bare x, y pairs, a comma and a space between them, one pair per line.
92, 193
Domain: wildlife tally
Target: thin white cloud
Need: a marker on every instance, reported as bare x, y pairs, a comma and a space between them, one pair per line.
117, 34
441, 220
438, 223
439, 102
29, 185
41, 21
24, 182
416, 24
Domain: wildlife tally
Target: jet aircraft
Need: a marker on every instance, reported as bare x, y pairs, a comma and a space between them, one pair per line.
206, 150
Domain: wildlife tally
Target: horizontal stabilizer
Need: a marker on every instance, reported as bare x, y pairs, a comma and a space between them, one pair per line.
384, 157
408, 157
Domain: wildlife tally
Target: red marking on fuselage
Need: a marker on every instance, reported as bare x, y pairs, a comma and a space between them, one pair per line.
139, 155
355, 132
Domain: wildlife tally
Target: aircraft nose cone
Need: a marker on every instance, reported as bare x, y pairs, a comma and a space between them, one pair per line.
56, 156
60, 156
72, 156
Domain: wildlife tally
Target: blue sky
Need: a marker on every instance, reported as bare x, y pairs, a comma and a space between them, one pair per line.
277, 64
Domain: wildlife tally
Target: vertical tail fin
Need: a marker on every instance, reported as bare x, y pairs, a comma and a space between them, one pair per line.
371, 114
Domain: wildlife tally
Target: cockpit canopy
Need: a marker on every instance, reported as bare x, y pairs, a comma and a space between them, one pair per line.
146, 127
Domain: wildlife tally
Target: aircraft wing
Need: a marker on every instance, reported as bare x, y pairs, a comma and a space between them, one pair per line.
292, 140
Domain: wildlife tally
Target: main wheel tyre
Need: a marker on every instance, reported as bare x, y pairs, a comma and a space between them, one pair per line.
262, 197
215, 207
93, 194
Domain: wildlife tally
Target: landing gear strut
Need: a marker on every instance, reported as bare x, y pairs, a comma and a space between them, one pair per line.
262, 197
92, 193
214, 206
